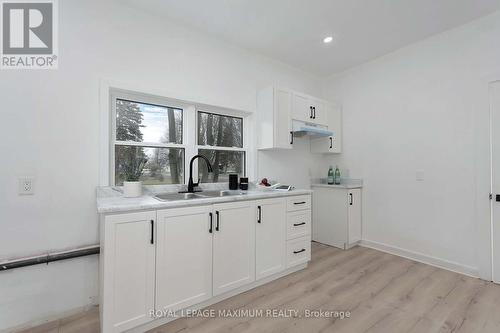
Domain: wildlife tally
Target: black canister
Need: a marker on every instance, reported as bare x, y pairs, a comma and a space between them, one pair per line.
233, 181
244, 183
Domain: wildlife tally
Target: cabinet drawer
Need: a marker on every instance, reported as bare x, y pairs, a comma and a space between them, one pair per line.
298, 251
300, 202
298, 224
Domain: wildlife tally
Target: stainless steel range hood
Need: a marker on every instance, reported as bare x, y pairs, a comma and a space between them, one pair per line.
314, 131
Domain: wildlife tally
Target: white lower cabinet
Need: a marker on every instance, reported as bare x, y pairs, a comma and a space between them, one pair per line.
173, 259
183, 257
234, 246
337, 216
270, 237
127, 282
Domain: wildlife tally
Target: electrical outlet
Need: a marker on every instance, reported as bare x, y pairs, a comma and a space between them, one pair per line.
420, 175
26, 186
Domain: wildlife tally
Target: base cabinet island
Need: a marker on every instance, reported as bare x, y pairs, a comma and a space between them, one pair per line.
159, 258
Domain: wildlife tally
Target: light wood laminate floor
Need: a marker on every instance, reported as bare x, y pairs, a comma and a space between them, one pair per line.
384, 293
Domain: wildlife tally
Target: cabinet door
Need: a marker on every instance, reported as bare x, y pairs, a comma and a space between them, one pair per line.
270, 237
335, 125
320, 115
331, 144
354, 215
233, 246
282, 119
129, 270
183, 257
301, 109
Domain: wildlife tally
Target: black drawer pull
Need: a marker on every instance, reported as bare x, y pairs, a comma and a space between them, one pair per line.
210, 230
299, 251
297, 224
299, 203
217, 220
152, 241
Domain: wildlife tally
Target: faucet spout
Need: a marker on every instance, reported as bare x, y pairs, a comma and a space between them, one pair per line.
191, 184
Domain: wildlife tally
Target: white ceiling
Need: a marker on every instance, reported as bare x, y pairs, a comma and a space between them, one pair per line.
291, 31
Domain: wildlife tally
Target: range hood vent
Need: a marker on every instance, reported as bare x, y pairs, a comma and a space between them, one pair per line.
314, 131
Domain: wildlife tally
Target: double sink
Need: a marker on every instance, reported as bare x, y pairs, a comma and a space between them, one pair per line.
196, 195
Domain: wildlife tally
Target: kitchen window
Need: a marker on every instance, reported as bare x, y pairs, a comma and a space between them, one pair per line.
220, 139
153, 140
148, 142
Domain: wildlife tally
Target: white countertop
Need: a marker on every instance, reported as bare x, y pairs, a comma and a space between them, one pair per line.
347, 185
109, 200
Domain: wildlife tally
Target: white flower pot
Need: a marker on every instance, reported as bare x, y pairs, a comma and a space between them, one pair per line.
132, 189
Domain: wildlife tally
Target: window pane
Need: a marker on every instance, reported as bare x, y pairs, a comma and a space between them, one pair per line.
217, 130
223, 163
141, 122
151, 165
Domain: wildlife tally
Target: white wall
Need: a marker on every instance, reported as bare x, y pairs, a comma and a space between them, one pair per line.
51, 130
424, 107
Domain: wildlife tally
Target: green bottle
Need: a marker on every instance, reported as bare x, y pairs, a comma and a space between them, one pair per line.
337, 175
331, 177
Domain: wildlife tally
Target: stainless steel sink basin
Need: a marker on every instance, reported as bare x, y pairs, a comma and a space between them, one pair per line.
177, 196
197, 195
221, 193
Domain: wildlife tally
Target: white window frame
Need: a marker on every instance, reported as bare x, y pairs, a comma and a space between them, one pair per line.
229, 113
146, 99
189, 130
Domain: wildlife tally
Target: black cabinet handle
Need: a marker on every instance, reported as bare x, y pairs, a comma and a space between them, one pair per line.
259, 217
152, 231
299, 251
217, 221
331, 142
350, 195
210, 230
310, 112
291, 137
498, 197
314, 112
299, 203
297, 224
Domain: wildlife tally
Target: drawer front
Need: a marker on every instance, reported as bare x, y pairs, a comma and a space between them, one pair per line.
298, 251
300, 202
298, 224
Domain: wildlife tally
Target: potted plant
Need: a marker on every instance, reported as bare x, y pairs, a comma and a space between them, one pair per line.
132, 186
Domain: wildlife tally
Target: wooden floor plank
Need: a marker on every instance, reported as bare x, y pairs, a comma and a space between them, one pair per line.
381, 292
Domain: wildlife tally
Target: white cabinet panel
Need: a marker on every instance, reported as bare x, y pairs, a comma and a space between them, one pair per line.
233, 246
184, 257
274, 122
331, 144
302, 108
129, 264
298, 251
354, 214
270, 237
300, 202
336, 216
298, 224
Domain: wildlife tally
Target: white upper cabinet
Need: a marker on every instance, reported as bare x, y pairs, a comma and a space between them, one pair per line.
302, 108
331, 144
274, 107
309, 109
278, 107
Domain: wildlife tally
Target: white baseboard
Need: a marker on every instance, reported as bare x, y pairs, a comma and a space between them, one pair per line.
423, 258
